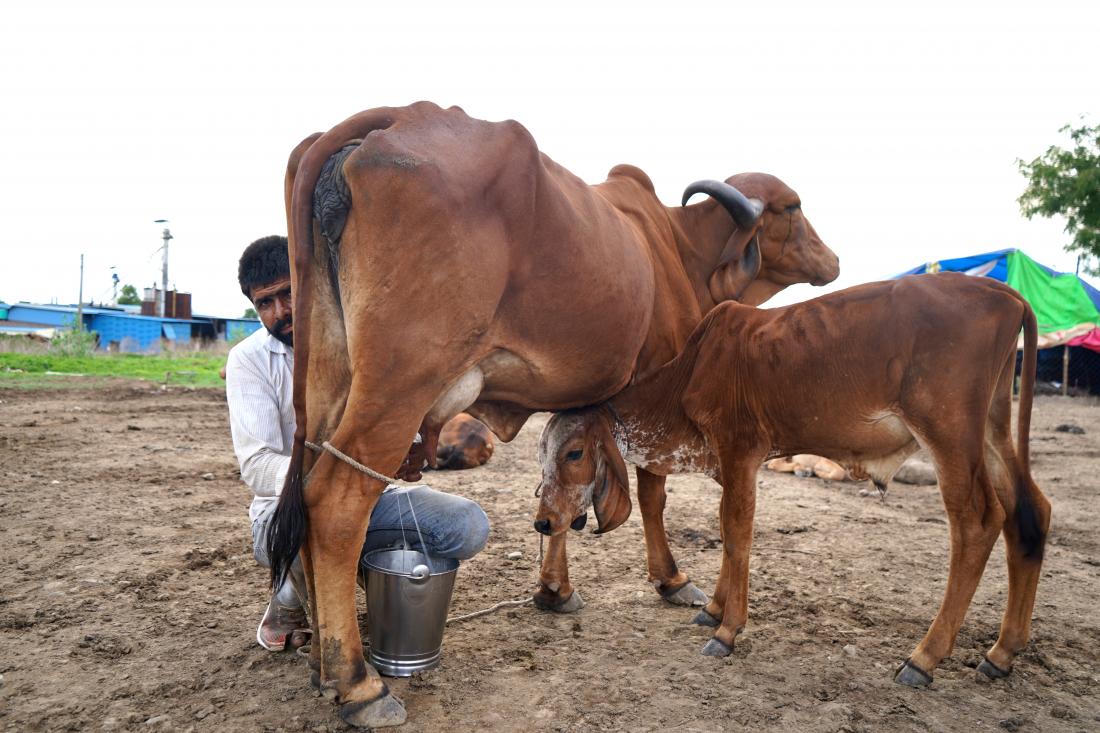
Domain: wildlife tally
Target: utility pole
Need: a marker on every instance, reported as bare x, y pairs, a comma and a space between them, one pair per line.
162, 301
80, 299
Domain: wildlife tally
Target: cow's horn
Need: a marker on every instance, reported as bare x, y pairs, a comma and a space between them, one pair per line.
745, 211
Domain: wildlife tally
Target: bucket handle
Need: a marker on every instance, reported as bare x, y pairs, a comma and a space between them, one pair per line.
419, 573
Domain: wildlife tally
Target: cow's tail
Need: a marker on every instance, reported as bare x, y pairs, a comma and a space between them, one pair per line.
1028, 525
287, 530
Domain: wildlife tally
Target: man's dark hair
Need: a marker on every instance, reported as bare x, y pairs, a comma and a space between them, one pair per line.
263, 262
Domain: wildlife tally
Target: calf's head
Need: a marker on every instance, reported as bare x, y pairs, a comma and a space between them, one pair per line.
581, 466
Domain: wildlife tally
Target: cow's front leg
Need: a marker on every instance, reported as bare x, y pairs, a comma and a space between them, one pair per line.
671, 582
736, 514
340, 501
554, 592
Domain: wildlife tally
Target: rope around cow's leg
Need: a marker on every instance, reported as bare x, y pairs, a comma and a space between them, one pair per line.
329, 447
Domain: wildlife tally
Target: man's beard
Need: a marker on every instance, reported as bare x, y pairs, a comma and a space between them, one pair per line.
276, 331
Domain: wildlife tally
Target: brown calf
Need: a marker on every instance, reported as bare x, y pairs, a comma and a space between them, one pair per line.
885, 368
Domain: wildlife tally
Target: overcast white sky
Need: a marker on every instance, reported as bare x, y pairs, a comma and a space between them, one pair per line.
898, 123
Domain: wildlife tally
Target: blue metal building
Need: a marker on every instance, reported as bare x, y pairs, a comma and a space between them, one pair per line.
124, 331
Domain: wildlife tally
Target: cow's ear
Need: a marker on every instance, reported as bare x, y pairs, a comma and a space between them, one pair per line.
738, 267
611, 499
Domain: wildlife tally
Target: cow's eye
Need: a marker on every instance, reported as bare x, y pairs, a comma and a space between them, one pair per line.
574, 455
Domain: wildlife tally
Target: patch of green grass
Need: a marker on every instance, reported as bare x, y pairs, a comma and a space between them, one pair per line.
198, 369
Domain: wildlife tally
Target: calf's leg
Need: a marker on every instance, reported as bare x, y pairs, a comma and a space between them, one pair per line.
554, 592
737, 510
1025, 531
671, 582
975, 518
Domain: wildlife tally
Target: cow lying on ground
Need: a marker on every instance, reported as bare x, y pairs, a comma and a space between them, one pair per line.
464, 442
805, 465
885, 367
444, 264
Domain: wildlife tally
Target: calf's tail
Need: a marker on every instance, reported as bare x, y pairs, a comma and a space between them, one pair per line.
1031, 532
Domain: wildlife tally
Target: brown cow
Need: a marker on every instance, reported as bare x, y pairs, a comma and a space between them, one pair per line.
864, 376
464, 442
791, 252
442, 263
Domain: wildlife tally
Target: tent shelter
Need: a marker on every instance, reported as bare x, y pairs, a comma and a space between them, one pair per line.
1066, 307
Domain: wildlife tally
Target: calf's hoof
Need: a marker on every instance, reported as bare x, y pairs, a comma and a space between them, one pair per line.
705, 619
378, 713
686, 595
992, 671
715, 648
911, 675
570, 605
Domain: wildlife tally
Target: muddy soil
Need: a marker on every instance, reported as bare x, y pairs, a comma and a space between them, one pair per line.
129, 597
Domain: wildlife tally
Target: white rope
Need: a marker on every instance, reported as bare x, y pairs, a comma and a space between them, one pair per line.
487, 611
327, 446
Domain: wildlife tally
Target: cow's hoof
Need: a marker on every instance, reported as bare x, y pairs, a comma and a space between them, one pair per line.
379, 713
571, 604
911, 675
315, 680
686, 595
705, 619
992, 671
715, 648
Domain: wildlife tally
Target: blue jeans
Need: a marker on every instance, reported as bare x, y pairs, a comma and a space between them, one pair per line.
452, 527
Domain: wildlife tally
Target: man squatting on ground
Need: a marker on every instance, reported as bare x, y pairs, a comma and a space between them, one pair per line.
261, 415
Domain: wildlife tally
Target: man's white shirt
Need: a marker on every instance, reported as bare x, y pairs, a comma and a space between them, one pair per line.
259, 387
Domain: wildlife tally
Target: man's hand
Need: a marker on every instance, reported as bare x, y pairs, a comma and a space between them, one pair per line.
415, 461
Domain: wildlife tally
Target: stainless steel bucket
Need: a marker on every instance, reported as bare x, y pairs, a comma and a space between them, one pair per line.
408, 595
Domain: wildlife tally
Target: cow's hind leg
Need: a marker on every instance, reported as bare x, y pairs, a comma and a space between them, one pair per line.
672, 583
1025, 530
339, 514
975, 519
554, 592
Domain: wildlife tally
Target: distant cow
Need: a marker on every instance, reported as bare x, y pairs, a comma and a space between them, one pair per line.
805, 465
861, 375
444, 264
464, 442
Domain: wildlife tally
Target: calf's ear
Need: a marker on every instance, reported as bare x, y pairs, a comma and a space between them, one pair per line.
611, 500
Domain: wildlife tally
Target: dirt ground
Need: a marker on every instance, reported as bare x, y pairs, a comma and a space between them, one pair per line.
129, 598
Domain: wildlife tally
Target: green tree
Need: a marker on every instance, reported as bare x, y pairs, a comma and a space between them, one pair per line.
250, 313
1066, 182
129, 296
